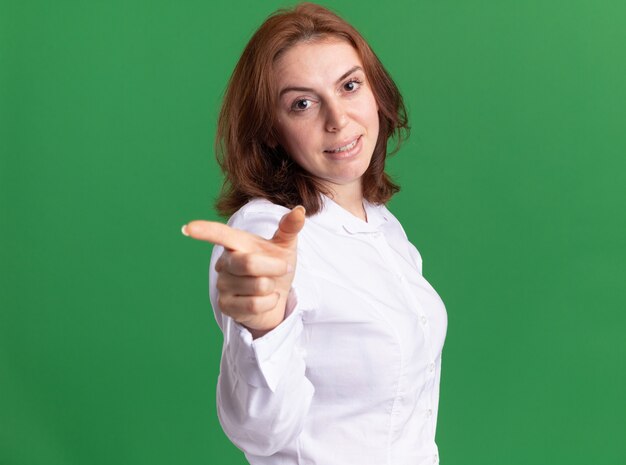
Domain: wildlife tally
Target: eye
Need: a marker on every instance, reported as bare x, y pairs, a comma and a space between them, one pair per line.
352, 85
301, 104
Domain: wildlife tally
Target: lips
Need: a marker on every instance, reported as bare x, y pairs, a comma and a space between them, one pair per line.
345, 146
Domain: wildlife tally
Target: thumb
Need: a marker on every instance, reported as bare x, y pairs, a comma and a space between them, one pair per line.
289, 227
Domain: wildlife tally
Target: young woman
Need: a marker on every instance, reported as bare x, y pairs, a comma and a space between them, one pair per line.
332, 337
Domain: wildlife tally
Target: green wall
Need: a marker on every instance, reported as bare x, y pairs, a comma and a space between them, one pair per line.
514, 191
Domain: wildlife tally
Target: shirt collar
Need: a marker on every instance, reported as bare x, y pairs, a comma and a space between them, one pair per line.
333, 216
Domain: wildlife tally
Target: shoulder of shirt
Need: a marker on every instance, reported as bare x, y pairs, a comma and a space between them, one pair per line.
258, 216
392, 221
259, 206
397, 229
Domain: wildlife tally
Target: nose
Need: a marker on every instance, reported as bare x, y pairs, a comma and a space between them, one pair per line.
336, 117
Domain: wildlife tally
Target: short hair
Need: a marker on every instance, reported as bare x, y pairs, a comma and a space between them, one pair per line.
254, 164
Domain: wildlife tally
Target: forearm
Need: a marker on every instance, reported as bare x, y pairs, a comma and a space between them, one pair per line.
263, 394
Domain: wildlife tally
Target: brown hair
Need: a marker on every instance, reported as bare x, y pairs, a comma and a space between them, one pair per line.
254, 165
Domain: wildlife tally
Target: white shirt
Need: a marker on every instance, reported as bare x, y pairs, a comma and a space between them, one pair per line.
351, 376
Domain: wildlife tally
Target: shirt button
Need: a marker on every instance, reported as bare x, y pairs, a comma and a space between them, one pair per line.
423, 319
429, 413
435, 458
431, 367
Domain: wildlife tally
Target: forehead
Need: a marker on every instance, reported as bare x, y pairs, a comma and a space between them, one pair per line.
318, 62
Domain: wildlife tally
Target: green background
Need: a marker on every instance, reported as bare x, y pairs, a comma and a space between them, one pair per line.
514, 191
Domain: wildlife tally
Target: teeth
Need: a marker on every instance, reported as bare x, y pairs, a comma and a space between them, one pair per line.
345, 147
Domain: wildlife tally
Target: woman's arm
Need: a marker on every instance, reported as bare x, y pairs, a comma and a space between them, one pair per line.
263, 395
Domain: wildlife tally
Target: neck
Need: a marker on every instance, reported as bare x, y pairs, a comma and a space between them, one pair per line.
350, 199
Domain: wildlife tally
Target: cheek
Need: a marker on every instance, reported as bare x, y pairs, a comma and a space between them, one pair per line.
296, 138
375, 112
368, 109
375, 118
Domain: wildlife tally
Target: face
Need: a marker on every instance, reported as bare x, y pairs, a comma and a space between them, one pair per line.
327, 113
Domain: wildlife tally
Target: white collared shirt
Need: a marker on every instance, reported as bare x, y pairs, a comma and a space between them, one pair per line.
351, 376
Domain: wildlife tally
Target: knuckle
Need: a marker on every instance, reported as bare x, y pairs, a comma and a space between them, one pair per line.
220, 284
219, 265
256, 305
247, 264
262, 286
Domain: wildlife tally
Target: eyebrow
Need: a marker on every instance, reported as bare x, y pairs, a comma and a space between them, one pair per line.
307, 89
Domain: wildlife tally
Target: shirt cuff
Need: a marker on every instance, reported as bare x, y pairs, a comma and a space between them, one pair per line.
263, 362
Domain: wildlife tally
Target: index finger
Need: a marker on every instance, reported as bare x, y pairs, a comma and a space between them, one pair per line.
221, 234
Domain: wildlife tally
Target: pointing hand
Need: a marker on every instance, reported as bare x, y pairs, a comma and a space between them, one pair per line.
254, 274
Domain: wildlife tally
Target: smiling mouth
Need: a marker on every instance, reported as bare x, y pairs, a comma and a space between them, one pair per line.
344, 148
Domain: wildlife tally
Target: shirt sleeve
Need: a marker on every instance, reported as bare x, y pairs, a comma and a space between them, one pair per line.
263, 394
